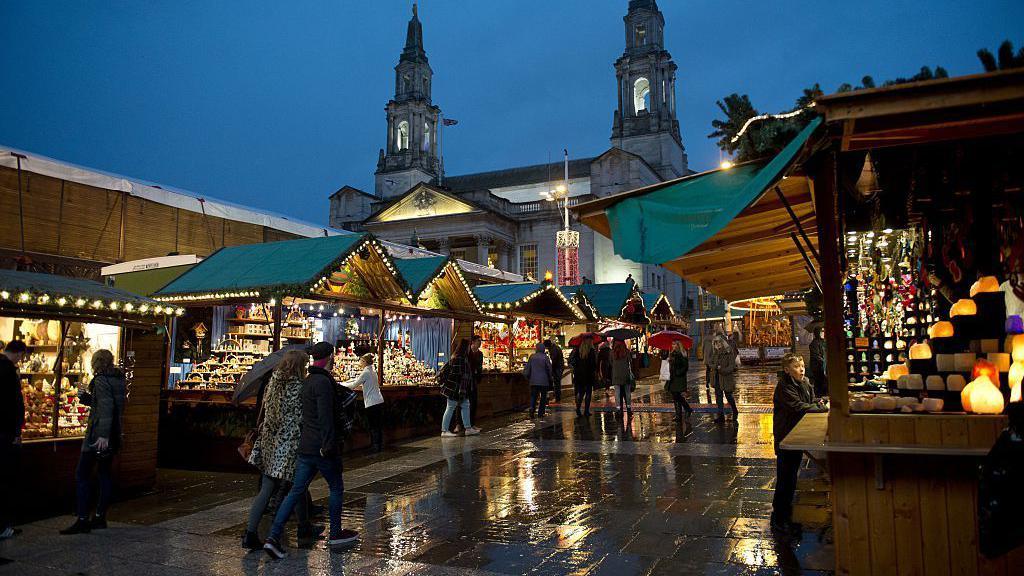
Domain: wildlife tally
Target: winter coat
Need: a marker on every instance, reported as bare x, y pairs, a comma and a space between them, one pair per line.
12, 403
367, 382
725, 370
604, 365
584, 370
538, 371
319, 433
679, 364
456, 378
277, 444
708, 348
816, 366
792, 399
557, 363
622, 372
476, 361
107, 395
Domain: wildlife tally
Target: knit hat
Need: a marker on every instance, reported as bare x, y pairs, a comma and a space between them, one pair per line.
320, 350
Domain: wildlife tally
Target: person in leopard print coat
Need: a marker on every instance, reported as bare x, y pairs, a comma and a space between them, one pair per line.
275, 449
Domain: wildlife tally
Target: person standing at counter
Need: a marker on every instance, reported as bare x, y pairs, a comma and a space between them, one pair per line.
106, 397
538, 373
373, 400
12, 420
324, 420
456, 379
557, 367
583, 363
275, 450
793, 398
476, 361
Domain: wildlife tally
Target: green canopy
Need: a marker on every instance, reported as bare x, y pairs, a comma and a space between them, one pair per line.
607, 299
693, 209
268, 267
505, 293
418, 272
72, 296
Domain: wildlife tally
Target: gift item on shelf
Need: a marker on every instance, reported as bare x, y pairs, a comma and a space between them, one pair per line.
495, 339
402, 368
221, 371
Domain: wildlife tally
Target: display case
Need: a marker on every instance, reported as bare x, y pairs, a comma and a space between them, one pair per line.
57, 371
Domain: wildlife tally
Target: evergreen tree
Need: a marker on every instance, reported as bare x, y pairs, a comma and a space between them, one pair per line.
1007, 58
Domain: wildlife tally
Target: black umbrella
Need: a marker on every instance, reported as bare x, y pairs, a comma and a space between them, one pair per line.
250, 383
621, 333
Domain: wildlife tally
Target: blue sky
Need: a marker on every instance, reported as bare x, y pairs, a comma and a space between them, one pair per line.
278, 104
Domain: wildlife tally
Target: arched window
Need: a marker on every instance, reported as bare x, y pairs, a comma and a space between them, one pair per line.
402, 136
641, 95
426, 86
640, 35
426, 136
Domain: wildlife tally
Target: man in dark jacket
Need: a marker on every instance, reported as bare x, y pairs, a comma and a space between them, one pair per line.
319, 449
557, 366
816, 366
12, 419
793, 398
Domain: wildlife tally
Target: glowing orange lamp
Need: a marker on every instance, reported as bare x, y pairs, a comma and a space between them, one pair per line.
985, 284
1016, 374
897, 370
942, 329
985, 368
963, 307
1017, 347
920, 351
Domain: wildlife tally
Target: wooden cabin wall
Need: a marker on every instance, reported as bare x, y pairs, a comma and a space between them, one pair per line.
73, 220
461, 329
137, 462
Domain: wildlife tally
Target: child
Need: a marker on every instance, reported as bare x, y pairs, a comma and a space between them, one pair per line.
793, 398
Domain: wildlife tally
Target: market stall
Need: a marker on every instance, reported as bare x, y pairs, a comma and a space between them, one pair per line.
64, 321
765, 332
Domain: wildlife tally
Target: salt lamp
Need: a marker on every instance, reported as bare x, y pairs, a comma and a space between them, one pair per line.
942, 329
1014, 324
983, 397
983, 367
963, 307
1001, 360
1016, 347
955, 383
1016, 374
985, 284
897, 370
1015, 393
964, 361
920, 352
935, 383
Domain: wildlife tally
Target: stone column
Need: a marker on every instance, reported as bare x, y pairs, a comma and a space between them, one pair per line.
444, 246
483, 245
503, 253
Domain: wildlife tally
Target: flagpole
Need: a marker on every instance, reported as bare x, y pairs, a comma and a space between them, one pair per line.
440, 150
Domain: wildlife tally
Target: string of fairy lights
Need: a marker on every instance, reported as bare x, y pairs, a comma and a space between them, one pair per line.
35, 298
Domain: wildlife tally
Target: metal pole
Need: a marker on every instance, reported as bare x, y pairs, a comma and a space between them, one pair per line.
796, 221
566, 152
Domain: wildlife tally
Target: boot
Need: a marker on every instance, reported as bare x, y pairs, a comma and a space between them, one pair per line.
79, 527
251, 541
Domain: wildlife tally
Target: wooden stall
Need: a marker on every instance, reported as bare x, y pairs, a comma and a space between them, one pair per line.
65, 321
941, 160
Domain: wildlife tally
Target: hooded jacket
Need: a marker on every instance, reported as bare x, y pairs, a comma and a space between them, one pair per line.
792, 399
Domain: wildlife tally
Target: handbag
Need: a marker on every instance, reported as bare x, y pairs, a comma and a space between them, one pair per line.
245, 448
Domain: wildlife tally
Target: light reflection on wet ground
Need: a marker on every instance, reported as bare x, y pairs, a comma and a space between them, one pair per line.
563, 496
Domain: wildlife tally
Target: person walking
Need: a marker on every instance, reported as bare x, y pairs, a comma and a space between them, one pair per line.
12, 420
476, 362
679, 363
456, 379
557, 366
583, 363
604, 365
793, 398
105, 397
725, 377
708, 351
373, 400
324, 421
538, 373
622, 377
275, 450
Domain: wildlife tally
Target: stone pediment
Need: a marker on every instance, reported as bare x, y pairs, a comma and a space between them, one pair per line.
423, 202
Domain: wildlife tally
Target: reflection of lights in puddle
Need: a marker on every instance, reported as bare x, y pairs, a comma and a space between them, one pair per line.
754, 552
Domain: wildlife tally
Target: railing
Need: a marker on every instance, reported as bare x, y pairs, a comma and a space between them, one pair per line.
540, 206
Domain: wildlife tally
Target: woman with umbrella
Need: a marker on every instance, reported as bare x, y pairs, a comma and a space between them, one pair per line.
275, 449
622, 377
583, 361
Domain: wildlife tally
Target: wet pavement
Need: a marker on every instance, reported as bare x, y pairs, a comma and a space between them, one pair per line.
559, 495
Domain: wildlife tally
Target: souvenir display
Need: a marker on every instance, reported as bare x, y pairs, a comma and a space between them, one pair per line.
495, 339
401, 367
222, 370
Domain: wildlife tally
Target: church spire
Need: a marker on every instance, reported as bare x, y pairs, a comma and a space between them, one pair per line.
413, 51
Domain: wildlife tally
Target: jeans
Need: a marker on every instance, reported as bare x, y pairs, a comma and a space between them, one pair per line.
729, 397
538, 393
375, 423
787, 466
449, 411
558, 384
305, 470
83, 479
268, 486
583, 395
457, 417
10, 457
624, 398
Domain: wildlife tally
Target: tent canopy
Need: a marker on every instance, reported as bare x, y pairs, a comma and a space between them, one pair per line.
529, 298
730, 230
418, 272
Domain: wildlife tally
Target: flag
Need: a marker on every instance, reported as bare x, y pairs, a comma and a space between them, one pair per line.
449, 121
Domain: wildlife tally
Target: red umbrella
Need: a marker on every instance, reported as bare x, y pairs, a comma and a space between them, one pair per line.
577, 340
663, 340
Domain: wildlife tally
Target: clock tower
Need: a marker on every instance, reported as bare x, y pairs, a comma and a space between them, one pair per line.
411, 155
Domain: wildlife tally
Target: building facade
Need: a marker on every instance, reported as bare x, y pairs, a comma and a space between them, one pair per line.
499, 218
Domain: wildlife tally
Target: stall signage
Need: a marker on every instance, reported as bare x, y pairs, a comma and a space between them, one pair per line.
750, 354
775, 352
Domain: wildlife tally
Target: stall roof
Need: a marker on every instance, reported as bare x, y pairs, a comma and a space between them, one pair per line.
269, 267
529, 298
651, 302
608, 299
418, 272
33, 291
731, 230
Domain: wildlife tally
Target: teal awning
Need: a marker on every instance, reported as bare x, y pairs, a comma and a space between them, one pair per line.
29, 292
529, 298
607, 299
505, 293
418, 272
693, 209
291, 265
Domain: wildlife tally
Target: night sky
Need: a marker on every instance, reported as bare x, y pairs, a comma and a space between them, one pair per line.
277, 106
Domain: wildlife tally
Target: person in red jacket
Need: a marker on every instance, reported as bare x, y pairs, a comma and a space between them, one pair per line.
12, 420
